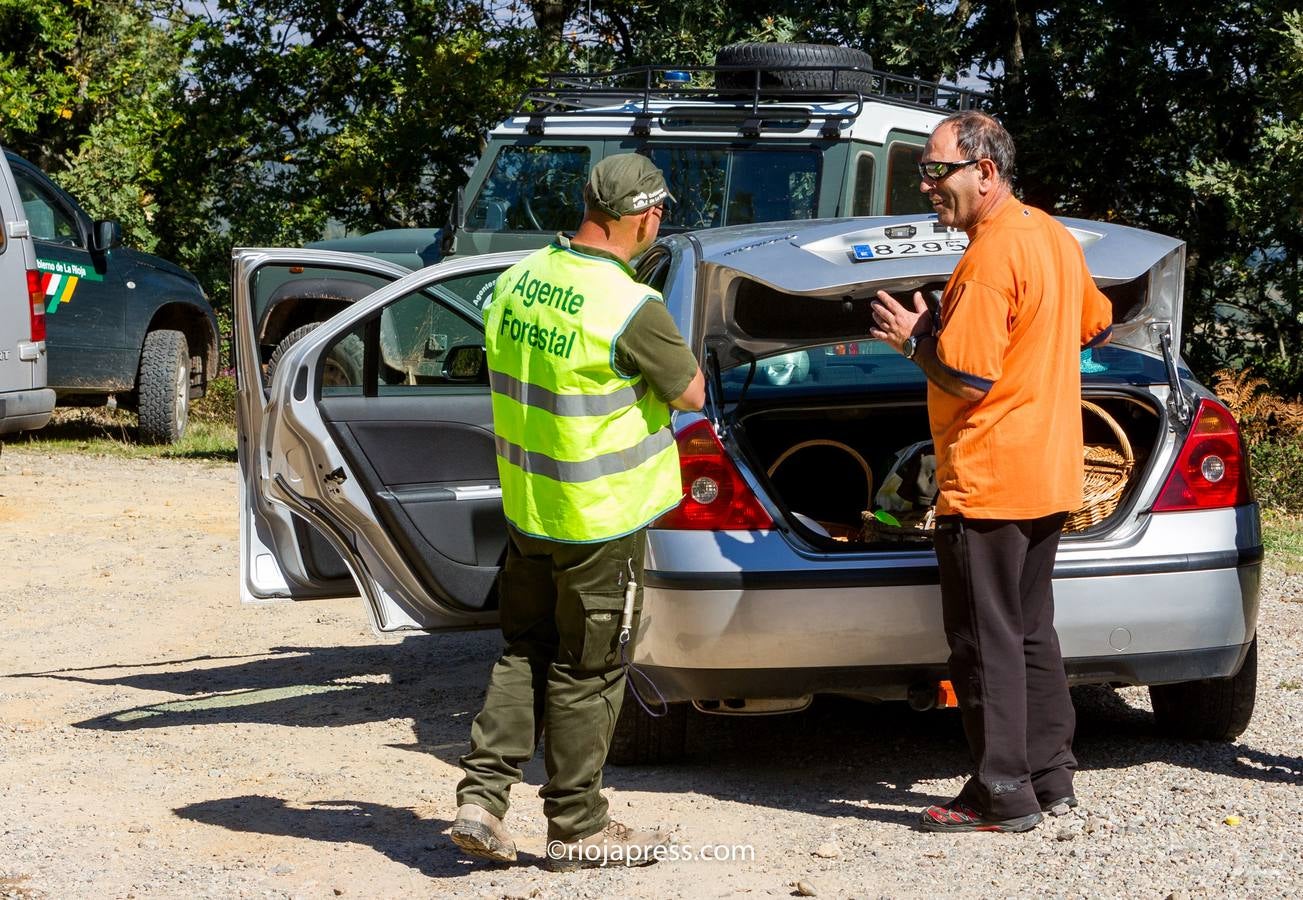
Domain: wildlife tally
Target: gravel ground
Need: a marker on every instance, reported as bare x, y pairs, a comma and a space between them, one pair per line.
159, 740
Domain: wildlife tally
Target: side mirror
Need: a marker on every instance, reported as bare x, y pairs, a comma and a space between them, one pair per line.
108, 234
466, 364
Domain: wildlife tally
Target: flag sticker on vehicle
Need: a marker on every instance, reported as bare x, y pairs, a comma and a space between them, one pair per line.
59, 280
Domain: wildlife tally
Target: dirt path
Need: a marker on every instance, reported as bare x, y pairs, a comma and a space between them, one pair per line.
159, 740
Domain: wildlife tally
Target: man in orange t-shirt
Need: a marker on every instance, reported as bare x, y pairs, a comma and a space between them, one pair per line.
1004, 401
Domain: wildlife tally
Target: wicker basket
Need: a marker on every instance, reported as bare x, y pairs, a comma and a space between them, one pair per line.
1108, 471
840, 531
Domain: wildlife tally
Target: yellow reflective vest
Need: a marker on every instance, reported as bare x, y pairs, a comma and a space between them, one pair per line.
584, 453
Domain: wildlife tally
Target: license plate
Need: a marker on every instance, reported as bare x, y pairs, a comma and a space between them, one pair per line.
891, 249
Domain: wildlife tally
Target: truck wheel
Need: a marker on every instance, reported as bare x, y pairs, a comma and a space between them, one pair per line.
641, 739
1214, 709
163, 387
343, 366
814, 80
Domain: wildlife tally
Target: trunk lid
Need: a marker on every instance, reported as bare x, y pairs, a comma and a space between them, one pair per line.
771, 289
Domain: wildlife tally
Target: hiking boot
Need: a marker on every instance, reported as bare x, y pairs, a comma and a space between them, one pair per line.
614, 845
481, 833
1060, 807
957, 816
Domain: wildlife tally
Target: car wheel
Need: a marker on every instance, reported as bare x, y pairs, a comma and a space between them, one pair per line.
817, 81
163, 387
641, 739
1214, 709
343, 366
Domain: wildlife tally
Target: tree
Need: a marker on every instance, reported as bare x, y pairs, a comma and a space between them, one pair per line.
86, 93
1260, 292
1114, 106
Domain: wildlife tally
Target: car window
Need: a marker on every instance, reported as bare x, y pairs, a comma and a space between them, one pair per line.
848, 365
903, 195
862, 198
716, 185
475, 288
872, 365
532, 189
48, 219
405, 345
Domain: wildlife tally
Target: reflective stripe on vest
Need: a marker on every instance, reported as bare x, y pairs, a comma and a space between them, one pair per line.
584, 453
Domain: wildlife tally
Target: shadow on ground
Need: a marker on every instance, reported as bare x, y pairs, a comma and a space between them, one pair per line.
840, 757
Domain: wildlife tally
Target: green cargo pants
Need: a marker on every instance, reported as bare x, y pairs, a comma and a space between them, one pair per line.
560, 676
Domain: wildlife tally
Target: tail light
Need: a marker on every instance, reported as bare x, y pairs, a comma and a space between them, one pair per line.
715, 498
1212, 468
36, 304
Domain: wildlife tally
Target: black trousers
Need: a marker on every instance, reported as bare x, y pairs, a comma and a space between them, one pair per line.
998, 607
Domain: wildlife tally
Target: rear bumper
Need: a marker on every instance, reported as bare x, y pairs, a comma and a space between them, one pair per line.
735, 628
25, 410
893, 682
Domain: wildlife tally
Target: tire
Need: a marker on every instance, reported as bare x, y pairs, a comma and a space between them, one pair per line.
814, 80
641, 739
163, 387
343, 366
1214, 709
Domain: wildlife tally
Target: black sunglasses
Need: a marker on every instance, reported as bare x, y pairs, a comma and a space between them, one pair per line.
940, 171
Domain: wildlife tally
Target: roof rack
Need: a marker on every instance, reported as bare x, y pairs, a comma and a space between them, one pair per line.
632, 93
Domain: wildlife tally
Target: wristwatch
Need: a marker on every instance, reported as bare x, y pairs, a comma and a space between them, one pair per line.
909, 347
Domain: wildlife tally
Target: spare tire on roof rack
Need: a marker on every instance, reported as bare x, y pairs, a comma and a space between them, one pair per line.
812, 68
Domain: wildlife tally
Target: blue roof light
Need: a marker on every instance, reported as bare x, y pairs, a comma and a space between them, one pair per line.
676, 76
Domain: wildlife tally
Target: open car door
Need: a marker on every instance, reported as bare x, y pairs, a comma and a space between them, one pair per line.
365, 462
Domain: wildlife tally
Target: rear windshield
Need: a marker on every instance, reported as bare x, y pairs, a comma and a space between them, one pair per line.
856, 366
716, 185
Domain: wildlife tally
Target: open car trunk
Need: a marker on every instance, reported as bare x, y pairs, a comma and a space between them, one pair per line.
824, 464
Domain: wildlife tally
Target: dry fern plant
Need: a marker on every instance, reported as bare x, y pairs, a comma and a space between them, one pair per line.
1261, 414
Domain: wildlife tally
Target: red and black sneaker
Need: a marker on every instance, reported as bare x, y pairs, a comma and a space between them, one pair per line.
959, 816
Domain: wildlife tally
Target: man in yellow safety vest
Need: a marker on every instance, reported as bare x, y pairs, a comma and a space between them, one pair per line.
584, 365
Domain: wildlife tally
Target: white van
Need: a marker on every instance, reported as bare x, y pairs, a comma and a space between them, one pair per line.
25, 401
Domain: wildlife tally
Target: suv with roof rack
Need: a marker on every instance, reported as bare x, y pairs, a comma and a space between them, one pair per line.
771, 132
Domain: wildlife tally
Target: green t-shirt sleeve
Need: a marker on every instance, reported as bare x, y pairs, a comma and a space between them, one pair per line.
651, 345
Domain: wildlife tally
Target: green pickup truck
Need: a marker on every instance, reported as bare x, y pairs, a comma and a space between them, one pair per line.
123, 328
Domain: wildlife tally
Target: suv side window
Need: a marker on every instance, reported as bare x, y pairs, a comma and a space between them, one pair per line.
532, 189
48, 219
862, 198
903, 195
717, 185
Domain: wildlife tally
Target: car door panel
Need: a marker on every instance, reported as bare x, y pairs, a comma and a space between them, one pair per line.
443, 506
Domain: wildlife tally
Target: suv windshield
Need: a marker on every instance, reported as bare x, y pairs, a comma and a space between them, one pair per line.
532, 189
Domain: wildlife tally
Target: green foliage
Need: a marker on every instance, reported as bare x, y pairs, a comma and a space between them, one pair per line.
1142, 113
1260, 291
1277, 467
87, 92
1282, 537
218, 403
105, 432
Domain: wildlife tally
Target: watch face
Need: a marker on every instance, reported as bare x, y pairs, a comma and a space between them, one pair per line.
911, 344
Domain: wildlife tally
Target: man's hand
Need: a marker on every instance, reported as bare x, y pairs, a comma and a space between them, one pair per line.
894, 323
